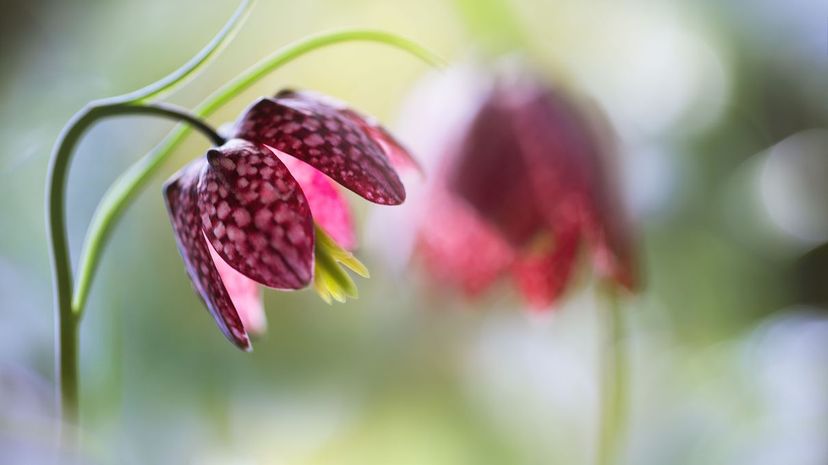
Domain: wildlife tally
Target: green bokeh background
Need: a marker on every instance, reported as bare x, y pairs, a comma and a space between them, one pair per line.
729, 338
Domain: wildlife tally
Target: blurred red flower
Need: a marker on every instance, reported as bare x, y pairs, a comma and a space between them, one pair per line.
524, 188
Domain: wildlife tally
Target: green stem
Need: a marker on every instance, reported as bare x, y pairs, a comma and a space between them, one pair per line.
613, 384
188, 70
292, 51
130, 183
66, 356
67, 321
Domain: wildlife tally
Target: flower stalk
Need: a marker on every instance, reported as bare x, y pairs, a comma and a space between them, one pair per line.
67, 319
614, 368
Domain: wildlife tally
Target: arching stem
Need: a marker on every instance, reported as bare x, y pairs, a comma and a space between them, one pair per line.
66, 320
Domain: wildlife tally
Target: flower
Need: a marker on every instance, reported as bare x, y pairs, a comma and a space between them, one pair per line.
244, 214
519, 192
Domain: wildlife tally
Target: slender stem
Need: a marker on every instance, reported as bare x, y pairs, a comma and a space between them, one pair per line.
292, 51
67, 359
166, 110
67, 346
188, 70
129, 184
613, 383
66, 320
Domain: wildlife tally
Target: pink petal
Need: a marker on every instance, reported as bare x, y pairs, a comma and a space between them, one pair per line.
460, 249
256, 216
325, 138
245, 293
329, 208
181, 198
543, 276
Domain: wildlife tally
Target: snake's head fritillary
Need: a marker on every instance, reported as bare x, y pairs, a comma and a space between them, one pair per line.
263, 209
522, 192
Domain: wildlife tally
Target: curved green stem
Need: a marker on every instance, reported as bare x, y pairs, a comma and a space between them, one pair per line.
67, 347
296, 49
129, 184
188, 70
67, 320
613, 383
173, 112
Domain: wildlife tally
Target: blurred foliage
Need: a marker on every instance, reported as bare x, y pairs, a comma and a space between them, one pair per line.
729, 335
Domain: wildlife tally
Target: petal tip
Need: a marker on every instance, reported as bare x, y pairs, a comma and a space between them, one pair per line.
238, 337
328, 136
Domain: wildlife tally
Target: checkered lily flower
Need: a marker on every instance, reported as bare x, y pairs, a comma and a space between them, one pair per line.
522, 192
256, 210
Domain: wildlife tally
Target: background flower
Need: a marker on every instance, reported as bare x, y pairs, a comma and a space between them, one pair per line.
522, 188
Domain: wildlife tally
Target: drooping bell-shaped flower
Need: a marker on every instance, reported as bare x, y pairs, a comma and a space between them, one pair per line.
244, 215
521, 192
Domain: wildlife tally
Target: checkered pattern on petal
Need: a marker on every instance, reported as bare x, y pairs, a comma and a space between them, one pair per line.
326, 138
256, 216
182, 204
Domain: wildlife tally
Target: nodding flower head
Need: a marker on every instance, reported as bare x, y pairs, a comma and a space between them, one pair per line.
522, 189
262, 210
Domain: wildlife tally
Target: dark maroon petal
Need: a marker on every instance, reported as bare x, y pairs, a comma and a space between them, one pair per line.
324, 137
562, 149
256, 216
608, 225
245, 293
613, 254
494, 178
397, 154
592, 198
181, 198
613, 259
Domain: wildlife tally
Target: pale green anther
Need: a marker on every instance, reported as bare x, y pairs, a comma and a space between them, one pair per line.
330, 280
